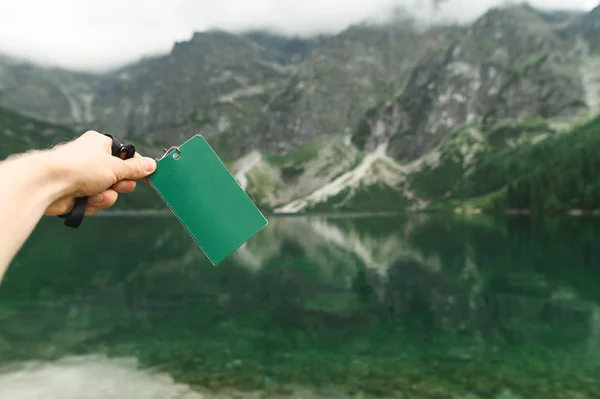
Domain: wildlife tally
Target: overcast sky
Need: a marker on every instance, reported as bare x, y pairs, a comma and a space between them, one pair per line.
98, 34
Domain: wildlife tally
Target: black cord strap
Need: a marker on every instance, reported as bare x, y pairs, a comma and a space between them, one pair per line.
74, 218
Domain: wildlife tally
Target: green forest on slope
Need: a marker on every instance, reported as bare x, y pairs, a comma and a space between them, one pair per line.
19, 133
557, 174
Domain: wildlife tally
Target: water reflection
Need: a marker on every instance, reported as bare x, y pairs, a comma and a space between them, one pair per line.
420, 306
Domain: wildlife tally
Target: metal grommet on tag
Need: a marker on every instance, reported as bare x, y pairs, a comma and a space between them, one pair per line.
166, 152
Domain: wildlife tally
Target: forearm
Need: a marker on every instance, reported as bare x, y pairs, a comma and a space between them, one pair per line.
30, 183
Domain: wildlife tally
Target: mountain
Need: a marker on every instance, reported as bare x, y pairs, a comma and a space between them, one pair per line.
383, 116
588, 27
217, 81
54, 95
20, 134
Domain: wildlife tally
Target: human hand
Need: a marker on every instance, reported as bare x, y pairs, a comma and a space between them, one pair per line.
86, 167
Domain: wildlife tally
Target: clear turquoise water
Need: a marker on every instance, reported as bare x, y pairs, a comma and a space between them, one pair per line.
413, 307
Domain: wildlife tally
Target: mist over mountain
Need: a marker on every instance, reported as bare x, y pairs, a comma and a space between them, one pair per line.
97, 36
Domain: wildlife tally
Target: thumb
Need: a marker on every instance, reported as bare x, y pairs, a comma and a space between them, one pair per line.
134, 168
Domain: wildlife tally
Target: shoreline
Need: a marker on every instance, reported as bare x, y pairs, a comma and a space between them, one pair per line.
362, 214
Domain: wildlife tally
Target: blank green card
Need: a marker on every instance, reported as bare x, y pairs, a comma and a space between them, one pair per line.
206, 199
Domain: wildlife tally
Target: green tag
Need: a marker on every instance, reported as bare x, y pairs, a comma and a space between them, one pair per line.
206, 198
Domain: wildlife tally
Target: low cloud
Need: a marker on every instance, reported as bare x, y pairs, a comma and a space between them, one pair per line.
99, 35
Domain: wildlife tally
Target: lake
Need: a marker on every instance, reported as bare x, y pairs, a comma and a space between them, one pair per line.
420, 306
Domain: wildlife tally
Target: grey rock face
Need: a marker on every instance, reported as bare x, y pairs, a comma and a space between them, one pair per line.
588, 27
184, 90
339, 81
508, 65
50, 94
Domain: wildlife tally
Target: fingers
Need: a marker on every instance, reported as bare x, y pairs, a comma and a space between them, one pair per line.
93, 210
134, 168
145, 179
124, 186
98, 202
103, 200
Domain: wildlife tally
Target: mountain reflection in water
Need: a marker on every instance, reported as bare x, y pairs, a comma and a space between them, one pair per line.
412, 307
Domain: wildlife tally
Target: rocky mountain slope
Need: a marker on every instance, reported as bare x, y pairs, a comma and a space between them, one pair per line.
20, 133
217, 82
379, 117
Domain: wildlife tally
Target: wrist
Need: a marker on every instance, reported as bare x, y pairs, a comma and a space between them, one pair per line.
56, 174
41, 173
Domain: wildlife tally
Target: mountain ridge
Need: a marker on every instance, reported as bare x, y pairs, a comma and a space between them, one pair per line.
357, 120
